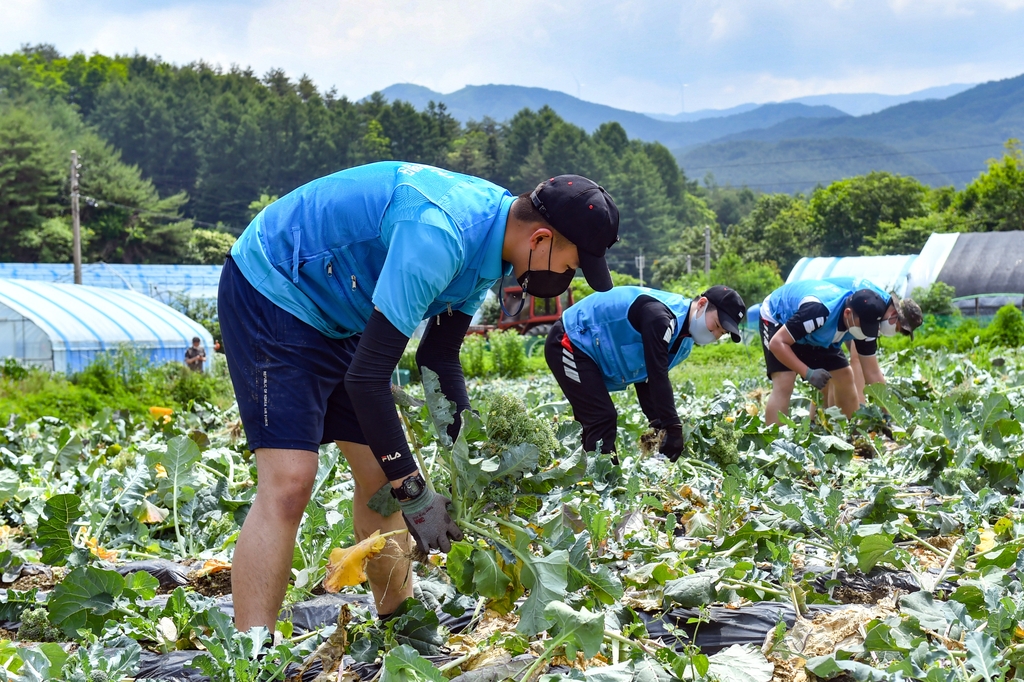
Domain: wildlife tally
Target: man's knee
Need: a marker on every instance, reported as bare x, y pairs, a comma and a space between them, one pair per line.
288, 493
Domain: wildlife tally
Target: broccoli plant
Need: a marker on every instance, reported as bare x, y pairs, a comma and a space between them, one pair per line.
499, 479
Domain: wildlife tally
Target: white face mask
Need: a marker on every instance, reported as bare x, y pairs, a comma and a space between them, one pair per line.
702, 336
887, 328
857, 333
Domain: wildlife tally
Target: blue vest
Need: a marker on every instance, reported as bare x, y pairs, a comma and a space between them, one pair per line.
318, 251
786, 300
599, 327
858, 283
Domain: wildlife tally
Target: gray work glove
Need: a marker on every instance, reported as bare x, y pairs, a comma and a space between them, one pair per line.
429, 523
817, 377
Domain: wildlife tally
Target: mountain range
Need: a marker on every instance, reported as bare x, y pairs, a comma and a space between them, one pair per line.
943, 135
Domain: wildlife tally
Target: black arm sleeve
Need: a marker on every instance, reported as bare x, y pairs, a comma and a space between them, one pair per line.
656, 324
866, 348
439, 351
368, 383
808, 318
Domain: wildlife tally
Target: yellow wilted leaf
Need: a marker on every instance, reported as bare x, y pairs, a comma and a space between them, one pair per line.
150, 513
160, 471
347, 566
211, 566
986, 541
1003, 526
105, 554
158, 412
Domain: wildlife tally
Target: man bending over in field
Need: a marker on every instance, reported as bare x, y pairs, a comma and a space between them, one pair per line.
901, 315
634, 335
317, 302
803, 325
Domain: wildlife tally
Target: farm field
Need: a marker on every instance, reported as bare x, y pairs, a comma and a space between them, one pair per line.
885, 547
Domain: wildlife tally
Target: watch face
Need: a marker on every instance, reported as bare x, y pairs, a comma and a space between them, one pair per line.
413, 486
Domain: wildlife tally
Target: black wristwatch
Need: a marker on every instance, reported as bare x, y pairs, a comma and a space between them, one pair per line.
410, 489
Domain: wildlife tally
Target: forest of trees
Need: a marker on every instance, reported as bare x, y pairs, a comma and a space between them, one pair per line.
176, 159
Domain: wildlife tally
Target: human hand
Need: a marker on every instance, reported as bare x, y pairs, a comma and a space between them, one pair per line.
673, 443
429, 523
817, 378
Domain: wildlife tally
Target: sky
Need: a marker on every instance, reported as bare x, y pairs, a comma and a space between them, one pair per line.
652, 56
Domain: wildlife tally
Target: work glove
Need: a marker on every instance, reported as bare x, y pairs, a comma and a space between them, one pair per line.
817, 377
428, 521
673, 443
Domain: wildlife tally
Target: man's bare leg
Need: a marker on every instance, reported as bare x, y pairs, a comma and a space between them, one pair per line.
778, 401
858, 374
842, 383
389, 573
263, 555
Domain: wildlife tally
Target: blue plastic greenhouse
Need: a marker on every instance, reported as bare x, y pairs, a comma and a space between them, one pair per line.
62, 327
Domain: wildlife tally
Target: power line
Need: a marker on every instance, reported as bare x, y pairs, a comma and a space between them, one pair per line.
92, 201
843, 158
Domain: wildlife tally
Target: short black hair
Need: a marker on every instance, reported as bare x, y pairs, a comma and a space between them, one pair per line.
196, 339
523, 210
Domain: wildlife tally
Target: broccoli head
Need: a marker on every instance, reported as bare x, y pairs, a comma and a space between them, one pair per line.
36, 627
724, 451
509, 423
99, 676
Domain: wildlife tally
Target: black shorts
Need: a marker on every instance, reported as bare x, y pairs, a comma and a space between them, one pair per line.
289, 378
815, 357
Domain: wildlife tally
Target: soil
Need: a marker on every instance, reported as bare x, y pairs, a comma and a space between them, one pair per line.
848, 595
38, 577
8, 634
215, 585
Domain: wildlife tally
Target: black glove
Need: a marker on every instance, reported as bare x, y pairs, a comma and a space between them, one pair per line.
817, 377
673, 443
429, 524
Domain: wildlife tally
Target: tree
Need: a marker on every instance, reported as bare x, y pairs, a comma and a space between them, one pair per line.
995, 199
847, 212
777, 229
753, 281
910, 236
30, 181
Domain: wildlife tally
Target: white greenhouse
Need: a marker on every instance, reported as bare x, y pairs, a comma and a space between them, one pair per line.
62, 327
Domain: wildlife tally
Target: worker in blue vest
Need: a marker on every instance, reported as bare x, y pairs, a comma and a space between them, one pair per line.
634, 335
902, 316
803, 325
317, 302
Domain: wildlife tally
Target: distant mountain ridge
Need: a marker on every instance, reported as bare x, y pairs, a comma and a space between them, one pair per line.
938, 141
502, 102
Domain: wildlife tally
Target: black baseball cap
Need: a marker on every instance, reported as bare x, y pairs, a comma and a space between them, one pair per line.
585, 214
869, 307
731, 309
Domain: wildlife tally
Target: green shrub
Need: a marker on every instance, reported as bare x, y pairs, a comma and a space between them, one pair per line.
936, 299
12, 369
474, 356
507, 353
1007, 329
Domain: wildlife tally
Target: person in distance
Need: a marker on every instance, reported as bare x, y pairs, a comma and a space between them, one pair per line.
634, 335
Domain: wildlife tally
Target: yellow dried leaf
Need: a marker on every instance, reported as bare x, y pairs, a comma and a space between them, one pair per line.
150, 513
211, 566
986, 541
105, 554
161, 472
347, 566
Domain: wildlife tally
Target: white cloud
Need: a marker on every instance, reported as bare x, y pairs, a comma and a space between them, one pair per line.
632, 54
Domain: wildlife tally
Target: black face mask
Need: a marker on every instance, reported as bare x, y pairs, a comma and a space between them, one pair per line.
545, 283
539, 283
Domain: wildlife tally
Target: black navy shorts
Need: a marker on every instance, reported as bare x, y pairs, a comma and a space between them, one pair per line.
289, 378
815, 357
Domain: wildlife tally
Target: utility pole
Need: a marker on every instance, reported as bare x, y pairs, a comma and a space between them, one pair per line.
707, 251
639, 260
689, 264
76, 224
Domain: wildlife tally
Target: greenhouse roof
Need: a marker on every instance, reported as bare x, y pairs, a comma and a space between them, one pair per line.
81, 321
155, 281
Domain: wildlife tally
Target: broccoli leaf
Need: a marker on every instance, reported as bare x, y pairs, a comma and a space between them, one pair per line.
59, 514
546, 578
442, 410
577, 630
